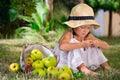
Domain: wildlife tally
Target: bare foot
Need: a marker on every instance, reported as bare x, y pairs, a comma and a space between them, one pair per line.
86, 71
89, 72
92, 73
106, 66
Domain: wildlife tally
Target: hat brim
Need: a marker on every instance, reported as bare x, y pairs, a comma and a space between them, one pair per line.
77, 23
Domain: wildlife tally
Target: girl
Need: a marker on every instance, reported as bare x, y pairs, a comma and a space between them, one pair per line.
78, 48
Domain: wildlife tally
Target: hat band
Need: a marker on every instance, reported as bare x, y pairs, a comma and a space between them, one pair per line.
80, 18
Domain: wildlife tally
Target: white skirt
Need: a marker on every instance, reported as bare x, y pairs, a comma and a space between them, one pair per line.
91, 57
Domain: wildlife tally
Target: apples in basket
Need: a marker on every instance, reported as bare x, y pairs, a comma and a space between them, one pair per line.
36, 55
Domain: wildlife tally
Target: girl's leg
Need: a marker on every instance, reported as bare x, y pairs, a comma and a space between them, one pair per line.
86, 71
105, 65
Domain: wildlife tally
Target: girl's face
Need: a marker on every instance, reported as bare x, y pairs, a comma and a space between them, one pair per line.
82, 31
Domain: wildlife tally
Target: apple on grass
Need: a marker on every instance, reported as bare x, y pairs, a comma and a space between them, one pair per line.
14, 67
67, 69
49, 61
64, 76
36, 54
39, 72
38, 64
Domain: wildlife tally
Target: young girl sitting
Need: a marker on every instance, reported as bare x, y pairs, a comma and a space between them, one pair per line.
77, 47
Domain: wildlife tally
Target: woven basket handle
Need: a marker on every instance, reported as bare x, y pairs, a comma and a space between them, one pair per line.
57, 56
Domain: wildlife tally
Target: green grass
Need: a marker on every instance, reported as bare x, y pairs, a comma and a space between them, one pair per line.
10, 51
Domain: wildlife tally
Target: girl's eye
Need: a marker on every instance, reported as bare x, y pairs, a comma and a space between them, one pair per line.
82, 27
85, 27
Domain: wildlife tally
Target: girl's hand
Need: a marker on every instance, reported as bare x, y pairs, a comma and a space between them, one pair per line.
96, 43
87, 43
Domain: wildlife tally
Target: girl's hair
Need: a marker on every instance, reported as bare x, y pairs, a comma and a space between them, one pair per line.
73, 32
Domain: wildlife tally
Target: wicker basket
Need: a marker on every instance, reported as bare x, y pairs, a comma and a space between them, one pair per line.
29, 47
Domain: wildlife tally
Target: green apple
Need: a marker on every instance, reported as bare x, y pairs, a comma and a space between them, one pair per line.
14, 67
51, 68
45, 69
28, 60
67, 69
72, 70
49, 61
36, 54
39, 72
54, 73
64, 76
38, 64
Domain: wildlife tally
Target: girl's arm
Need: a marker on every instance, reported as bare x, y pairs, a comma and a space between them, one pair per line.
65, 45
101, 44
97, 42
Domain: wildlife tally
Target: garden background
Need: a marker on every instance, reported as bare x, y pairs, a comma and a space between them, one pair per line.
26, 21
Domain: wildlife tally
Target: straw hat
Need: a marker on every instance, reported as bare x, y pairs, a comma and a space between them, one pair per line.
81, 14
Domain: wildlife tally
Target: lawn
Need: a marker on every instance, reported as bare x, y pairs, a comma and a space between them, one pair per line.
10, 51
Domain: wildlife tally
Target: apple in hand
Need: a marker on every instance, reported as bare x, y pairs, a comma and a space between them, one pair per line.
28, 60
14, 67
49, 61
67, 69
36, 54
64, 76
39, 72
38, 64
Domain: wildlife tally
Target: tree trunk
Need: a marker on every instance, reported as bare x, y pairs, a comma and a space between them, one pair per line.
50, 4
81, 1
110, 25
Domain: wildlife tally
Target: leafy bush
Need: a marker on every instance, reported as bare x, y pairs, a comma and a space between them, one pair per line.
36, 24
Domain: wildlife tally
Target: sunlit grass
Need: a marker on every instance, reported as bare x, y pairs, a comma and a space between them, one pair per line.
10, 51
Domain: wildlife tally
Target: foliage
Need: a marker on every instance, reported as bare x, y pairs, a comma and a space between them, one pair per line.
111, 5
68, 4
24, 7
13, 14
11, 8
35, 24
61, 14
38, 27
9, 11
4, 8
